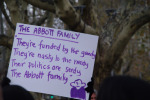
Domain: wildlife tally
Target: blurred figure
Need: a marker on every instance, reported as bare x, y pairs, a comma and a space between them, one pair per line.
93, 96
14, 92
124, 88
89, 89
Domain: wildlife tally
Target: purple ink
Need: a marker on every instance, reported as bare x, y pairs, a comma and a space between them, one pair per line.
31, 54
19, 53
65, 50
57, 77
57, 58
23, 54
24, 29
43, 31
73, 70
86, 53
77, 90
52, 46
25, 44
77, 35
68, 34
83, 63
55, 67
15, 73
32, 75
74, 51
49, 37
64, 59
16, 64
45, 56
38, 65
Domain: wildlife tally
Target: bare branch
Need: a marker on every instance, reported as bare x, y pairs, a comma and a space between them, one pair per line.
42, 20
4, 41
66, 13
6, 16
41, 5
69, 16
133, 22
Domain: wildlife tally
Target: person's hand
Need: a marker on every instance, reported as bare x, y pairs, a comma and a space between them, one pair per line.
90, 88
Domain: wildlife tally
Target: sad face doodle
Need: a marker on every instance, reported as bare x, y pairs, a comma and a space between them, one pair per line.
77, 90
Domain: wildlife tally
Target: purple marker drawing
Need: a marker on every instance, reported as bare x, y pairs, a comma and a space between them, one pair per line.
25, 44
38, 65
32, 75
43, 31
24, 28
68, 34
86, 53
83, 63
75, 71
77, 90
43, 45
48, 37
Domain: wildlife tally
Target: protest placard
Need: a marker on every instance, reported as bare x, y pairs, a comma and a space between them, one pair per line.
52, 61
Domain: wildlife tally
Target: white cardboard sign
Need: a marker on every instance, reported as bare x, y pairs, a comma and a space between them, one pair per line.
52, 61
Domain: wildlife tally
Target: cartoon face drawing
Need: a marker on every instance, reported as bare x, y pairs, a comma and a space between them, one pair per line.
77, 90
